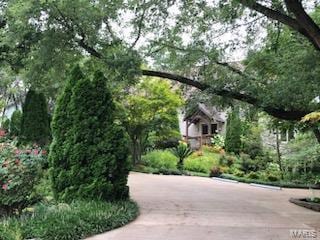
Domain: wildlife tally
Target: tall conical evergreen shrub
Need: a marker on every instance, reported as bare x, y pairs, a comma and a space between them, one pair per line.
35, 121
62, 122
95, 147
15, 124
233, 132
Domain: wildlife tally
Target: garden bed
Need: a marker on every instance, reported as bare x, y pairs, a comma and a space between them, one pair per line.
307, 203
164, 171
276, 184
68, 221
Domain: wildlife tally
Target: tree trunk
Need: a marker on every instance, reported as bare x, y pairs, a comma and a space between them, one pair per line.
279, 154
136, 150
316, 132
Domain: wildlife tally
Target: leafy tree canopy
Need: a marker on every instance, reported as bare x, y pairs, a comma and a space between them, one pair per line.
189, 38
150, 111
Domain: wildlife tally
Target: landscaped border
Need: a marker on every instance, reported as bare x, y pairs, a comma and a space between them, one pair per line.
306, 204
77, 220
276, 184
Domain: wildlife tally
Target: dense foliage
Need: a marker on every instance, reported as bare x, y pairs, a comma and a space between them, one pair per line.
35, 119
62, 221
151, 116
96, 151
164, 161
15, 123
182, 151
233, 132
19, 174
302, 162
160, 159
61, 124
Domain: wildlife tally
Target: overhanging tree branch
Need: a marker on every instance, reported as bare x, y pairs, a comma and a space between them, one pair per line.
284, 19
140, 26
313, 30
274, 111
282, 113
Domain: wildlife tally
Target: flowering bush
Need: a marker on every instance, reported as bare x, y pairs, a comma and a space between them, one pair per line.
218, 141
19, 174
3, 135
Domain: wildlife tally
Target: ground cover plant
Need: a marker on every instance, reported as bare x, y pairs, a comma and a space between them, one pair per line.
164, 161
62, 221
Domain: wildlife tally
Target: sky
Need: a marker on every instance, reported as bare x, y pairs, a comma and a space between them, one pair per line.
231, 55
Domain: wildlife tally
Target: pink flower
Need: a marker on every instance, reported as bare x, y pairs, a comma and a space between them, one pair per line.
17, 151
44, 152
2, 133
35, 151
5, 186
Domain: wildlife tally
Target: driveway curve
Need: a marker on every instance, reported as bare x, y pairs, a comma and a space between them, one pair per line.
195, 208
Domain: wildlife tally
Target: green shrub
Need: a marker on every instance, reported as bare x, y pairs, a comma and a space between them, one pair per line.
62, 123
15, 124
19, 174
95, 148
160, 159
167, 143
238, 173
182, 151
233, 132
252, 175
35, 122
252, 141
227, 160
215, 171
5, 125
165, 171
202, 163
272, 178
245, 163
68, 222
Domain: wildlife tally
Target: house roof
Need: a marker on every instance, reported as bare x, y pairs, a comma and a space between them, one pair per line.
210, 112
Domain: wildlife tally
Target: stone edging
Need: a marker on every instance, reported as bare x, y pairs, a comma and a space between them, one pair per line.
303, 203
266, 186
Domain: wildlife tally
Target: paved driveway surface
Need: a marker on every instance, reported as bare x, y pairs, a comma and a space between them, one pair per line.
195, 208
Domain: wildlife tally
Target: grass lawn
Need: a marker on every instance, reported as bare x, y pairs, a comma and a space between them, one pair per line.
77, 220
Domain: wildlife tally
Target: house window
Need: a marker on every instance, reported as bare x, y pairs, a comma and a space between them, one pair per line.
286, 135
214, 128
283, 135
205, 129
290, 134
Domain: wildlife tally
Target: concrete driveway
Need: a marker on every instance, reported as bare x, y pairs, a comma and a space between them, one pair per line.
194, 208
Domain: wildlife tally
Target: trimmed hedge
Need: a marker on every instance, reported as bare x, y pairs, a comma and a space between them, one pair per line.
277, 184
68, 222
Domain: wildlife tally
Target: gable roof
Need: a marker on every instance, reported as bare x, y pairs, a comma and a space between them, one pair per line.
210, 112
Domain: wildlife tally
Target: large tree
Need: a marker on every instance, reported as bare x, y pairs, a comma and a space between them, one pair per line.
48, 31
151, 112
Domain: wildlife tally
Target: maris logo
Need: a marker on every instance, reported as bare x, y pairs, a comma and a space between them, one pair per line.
304, 234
